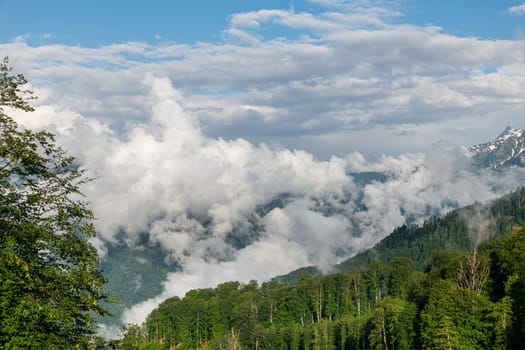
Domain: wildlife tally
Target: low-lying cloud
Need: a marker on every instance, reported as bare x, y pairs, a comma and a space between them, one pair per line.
191, 192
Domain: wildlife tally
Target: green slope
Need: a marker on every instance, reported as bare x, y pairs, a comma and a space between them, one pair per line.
459, 230
458, 301
134, 274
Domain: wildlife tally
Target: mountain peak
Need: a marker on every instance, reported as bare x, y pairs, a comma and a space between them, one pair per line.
506, 150
510, 132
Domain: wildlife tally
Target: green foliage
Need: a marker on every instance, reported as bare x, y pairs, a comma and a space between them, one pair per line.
134, 275
451, 302
50, 281
11, 89
452, 233
455, 317
508, 280
391, 324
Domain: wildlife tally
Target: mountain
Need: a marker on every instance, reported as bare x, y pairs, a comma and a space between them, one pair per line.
136, 271
134, 274
506, 150
460, 230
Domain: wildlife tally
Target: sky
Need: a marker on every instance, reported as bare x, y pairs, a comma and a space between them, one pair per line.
191, 115
96, 23
326, 76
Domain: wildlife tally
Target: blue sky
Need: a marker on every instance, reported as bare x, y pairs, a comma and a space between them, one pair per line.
324, 76
95, 23
485, 19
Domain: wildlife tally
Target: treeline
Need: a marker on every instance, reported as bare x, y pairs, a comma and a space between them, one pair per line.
459, 230
460, 300
453, 300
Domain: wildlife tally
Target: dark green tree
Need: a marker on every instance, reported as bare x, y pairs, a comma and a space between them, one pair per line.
133, 337
454, 316
399, 273
509, 273
50, 281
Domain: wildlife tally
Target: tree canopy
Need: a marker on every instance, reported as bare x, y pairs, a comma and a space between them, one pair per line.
50, 281
459, 297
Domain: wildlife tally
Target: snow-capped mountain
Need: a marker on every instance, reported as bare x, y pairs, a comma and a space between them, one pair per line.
506, 150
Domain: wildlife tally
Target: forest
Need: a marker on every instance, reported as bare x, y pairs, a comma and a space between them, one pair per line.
429, 286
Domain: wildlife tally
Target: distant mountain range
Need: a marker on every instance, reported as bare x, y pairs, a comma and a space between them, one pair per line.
506, 150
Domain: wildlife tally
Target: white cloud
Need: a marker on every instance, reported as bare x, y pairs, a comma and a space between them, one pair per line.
517, 10
256, 262
340, 76
164, 176
168, 166
285, 18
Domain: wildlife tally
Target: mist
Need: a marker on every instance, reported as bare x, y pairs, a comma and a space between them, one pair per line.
191, 193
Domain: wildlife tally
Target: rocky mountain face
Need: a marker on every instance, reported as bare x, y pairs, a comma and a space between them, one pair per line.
506, 150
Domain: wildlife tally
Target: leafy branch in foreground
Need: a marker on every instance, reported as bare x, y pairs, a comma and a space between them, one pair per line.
50, 280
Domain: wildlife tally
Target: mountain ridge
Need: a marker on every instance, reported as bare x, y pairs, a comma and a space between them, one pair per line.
506, 150
454, 232
461, 297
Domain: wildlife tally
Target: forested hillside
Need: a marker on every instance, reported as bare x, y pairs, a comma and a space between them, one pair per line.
459, 230
425, 287
137, 272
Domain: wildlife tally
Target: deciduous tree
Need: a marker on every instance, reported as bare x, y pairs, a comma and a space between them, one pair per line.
50, 280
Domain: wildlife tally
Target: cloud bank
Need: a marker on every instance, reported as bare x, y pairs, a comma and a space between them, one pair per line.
192, 193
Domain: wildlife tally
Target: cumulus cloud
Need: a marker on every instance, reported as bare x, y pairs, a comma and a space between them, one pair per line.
517, 10
176, 176
340, 71
191, 193
170, 178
